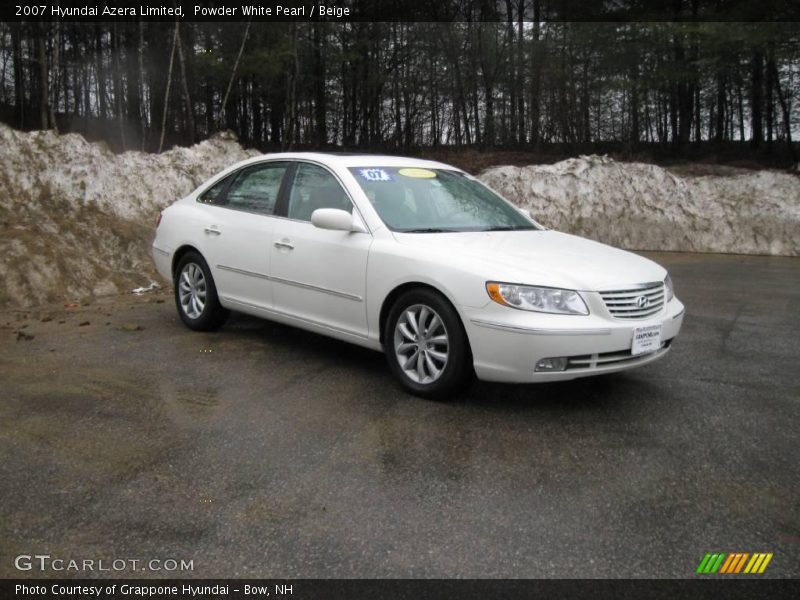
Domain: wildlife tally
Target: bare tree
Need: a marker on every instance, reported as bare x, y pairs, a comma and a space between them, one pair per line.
43, 76
118, 88
56, 72
186, 96
140, 53
169, 84
233, 76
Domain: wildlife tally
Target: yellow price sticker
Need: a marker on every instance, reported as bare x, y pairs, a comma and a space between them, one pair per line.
417, 173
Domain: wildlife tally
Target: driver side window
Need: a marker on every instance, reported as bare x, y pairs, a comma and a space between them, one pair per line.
315, 187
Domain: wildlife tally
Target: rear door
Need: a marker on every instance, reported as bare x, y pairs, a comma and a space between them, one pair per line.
238, 234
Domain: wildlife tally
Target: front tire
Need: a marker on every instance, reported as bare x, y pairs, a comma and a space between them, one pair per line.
196, 295
426, 345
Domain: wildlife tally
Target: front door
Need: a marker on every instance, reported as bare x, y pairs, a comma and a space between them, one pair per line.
319, 275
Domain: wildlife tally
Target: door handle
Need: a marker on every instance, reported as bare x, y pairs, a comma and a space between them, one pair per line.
213, 230
285, 245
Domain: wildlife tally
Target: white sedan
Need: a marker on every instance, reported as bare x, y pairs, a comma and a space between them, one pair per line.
417, 259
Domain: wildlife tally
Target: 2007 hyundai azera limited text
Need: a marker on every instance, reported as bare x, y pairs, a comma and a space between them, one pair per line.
417, 259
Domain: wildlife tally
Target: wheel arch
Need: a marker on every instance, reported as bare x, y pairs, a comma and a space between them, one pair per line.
179, 254
401, 289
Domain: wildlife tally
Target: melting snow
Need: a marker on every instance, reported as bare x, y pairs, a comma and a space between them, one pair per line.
645, 207
143, 290
77, 220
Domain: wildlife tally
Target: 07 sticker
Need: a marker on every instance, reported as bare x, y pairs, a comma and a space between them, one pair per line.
375, 175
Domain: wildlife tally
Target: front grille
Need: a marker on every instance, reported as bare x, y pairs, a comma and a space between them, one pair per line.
605, 359
636, 303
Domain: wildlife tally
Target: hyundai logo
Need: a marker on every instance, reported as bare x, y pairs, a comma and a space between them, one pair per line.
642, 301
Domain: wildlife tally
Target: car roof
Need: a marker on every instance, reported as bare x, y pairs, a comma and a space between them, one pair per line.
356, 160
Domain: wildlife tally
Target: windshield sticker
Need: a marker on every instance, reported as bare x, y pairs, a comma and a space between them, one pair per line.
417, 173
375, 175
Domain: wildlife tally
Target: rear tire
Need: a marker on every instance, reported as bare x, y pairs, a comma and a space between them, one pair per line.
426, 345
196, 295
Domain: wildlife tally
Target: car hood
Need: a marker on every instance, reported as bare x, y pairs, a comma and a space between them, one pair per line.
547, 258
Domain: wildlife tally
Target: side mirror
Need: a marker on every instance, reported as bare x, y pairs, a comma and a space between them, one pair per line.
337, 220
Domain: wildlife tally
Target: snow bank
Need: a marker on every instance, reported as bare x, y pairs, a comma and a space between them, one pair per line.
645, 207
77, 220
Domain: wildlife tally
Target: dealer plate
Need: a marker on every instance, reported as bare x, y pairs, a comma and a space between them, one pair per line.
646, 339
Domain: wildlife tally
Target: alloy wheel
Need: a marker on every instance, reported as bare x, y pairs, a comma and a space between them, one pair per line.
421, 344
192, 290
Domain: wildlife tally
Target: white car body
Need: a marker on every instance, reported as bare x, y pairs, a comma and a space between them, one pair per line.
338, 283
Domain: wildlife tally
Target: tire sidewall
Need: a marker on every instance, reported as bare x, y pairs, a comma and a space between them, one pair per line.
213, 314
459, 360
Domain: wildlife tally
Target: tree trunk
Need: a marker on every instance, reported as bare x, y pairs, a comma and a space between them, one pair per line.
166, 93
634, 108
43, 76
100, 72
19, 73
770, 86
256, 111
140, 53
536, 75
133, 113
520, 62
55, 70
756, 93
510, 135
118, 104
721, 104
740, 100
787, 120
320, 96
233, 75
209, 91
191, 133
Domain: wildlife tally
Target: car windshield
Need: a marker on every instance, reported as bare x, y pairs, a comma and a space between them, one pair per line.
415, 200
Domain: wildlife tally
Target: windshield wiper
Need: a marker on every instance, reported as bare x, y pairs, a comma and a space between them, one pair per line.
427, 230
507, 228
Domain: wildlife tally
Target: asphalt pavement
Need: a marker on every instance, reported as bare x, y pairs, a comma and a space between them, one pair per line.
265, 451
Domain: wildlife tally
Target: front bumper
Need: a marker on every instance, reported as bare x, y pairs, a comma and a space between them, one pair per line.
507, 343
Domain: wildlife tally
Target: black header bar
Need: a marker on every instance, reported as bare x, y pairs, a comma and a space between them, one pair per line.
400, 10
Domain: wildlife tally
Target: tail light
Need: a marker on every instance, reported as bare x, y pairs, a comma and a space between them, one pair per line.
158, 221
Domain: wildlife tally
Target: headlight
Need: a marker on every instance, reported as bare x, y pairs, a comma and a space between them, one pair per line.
537, 299
668, 287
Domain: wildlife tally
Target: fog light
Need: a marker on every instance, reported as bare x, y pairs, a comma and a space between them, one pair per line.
552, 364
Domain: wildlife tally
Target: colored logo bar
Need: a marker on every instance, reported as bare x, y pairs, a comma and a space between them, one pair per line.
734, 563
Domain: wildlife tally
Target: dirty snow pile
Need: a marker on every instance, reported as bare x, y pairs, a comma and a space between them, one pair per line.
77, 220
645, 207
